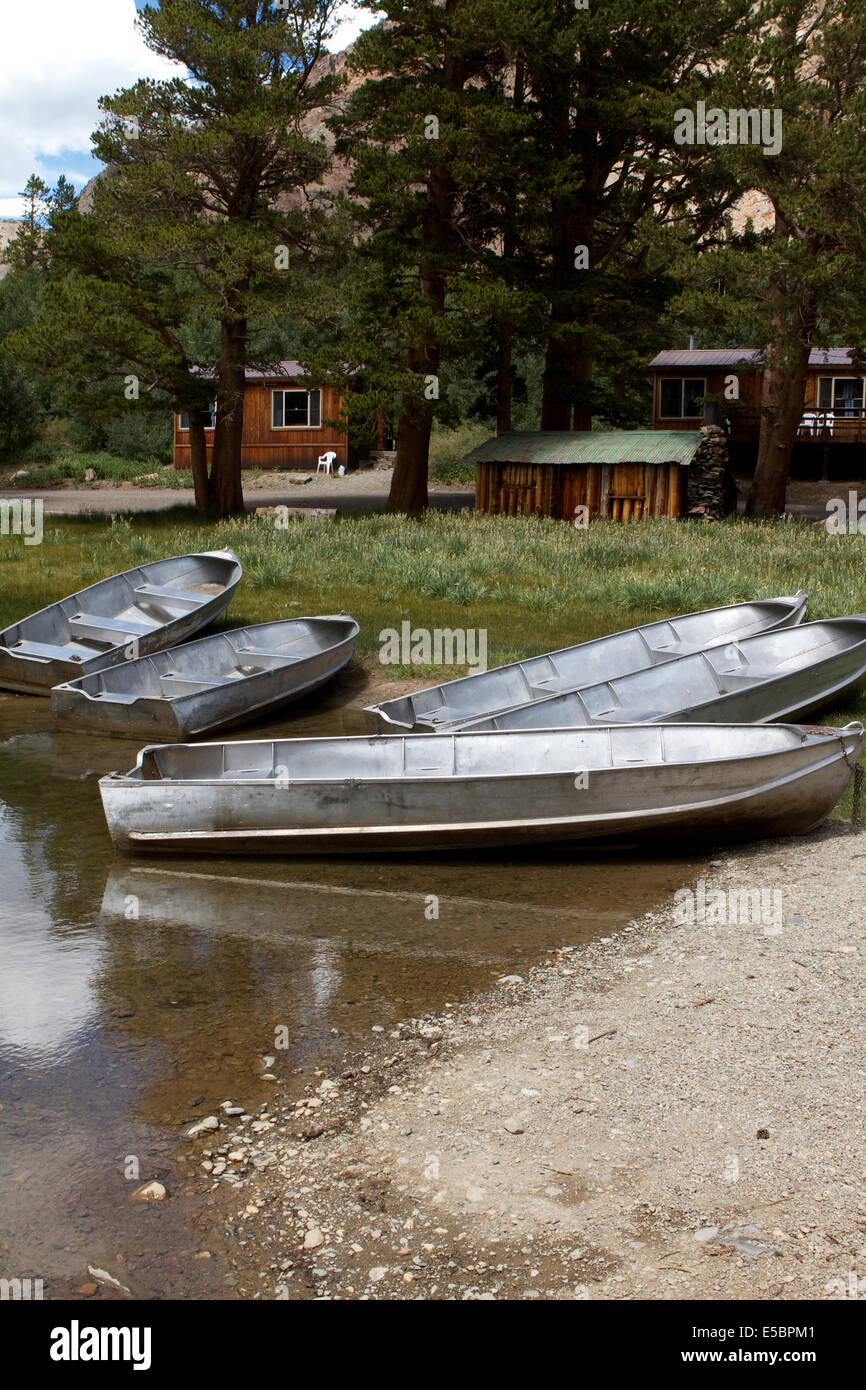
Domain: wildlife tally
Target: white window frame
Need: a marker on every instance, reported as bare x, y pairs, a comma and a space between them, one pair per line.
831, 408
682, 380
185, 427
296, 391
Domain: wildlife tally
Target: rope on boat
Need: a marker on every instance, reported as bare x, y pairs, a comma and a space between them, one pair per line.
856, 818
858, 789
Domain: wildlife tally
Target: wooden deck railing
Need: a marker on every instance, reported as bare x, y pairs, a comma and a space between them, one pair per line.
816, 426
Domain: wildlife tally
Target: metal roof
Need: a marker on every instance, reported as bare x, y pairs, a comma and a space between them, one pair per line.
591, 446
278, 372
279, 369
830, 357
732, 357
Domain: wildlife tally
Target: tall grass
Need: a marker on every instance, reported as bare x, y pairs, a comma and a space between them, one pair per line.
535, 585
448, 450
72, 465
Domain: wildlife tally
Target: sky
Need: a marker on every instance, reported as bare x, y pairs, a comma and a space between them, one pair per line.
57, 57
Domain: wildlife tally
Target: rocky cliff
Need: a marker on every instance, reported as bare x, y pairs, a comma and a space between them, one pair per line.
8, 231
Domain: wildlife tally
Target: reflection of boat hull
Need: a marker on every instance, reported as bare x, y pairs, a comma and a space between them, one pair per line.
440, 791
210, 684
128, 615
375, 920
446, 707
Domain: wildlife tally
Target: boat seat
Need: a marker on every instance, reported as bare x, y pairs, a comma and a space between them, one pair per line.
115, 629
662, 655
554, 685
115, 697
443, 714
183, 595
737, 679
47, 651
278, 659
179, 685
629, 716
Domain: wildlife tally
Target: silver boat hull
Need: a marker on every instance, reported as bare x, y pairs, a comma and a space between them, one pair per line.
451, 705
125, 616
779, 675
460, 791
214, 683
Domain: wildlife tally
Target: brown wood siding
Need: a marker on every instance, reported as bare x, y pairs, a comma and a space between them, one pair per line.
745, 416
266, 447
623, 492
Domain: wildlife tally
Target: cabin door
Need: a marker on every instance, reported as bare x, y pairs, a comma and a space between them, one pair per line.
626, 496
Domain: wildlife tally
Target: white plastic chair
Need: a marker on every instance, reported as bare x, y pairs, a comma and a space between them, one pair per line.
327, 462
811, 422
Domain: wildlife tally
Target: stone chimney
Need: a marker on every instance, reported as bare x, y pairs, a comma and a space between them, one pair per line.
711, 493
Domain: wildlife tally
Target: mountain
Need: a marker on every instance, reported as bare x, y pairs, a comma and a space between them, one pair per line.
8, 232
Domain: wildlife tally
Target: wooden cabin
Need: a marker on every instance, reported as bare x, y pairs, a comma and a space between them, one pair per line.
620, 474
831, 440
284, 423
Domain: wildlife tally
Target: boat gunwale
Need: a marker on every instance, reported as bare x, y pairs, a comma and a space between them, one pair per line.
796, 603
409, 828
104, 698
765, 683
808, 739
227, 555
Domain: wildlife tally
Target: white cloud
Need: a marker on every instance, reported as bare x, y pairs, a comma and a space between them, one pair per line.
350, 23
57, 58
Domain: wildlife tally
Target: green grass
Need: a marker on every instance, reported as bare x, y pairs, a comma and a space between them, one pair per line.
72, 466
448, 450
535, 585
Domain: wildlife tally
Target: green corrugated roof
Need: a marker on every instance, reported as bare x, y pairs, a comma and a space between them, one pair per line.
579, 446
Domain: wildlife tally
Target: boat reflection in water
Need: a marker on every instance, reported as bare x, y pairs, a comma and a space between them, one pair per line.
291, 912
324, 963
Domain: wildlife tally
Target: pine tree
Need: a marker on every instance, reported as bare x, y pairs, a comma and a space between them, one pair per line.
417, 130
25, 250
608, 190
201, 213
798, 281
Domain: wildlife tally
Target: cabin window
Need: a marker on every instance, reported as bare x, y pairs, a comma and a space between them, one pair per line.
677, 397
209, 421
843, 395
296, 410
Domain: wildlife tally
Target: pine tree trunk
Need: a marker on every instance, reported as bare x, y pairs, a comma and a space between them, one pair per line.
555, 403
782, 395
409, 483
503, 381
198, 460
582, 375
505, 352
783, 392
227, 496
567, 361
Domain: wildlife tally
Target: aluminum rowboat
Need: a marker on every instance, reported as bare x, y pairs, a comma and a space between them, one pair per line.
459, 791
780, 675
120, 618
485, 693
209, 684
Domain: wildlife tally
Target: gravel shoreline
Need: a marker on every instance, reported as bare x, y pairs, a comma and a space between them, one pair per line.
673, 1112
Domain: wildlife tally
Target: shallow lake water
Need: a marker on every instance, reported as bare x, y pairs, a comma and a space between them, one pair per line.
138, 994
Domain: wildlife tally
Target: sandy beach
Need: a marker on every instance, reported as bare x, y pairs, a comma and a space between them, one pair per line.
673, 1112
